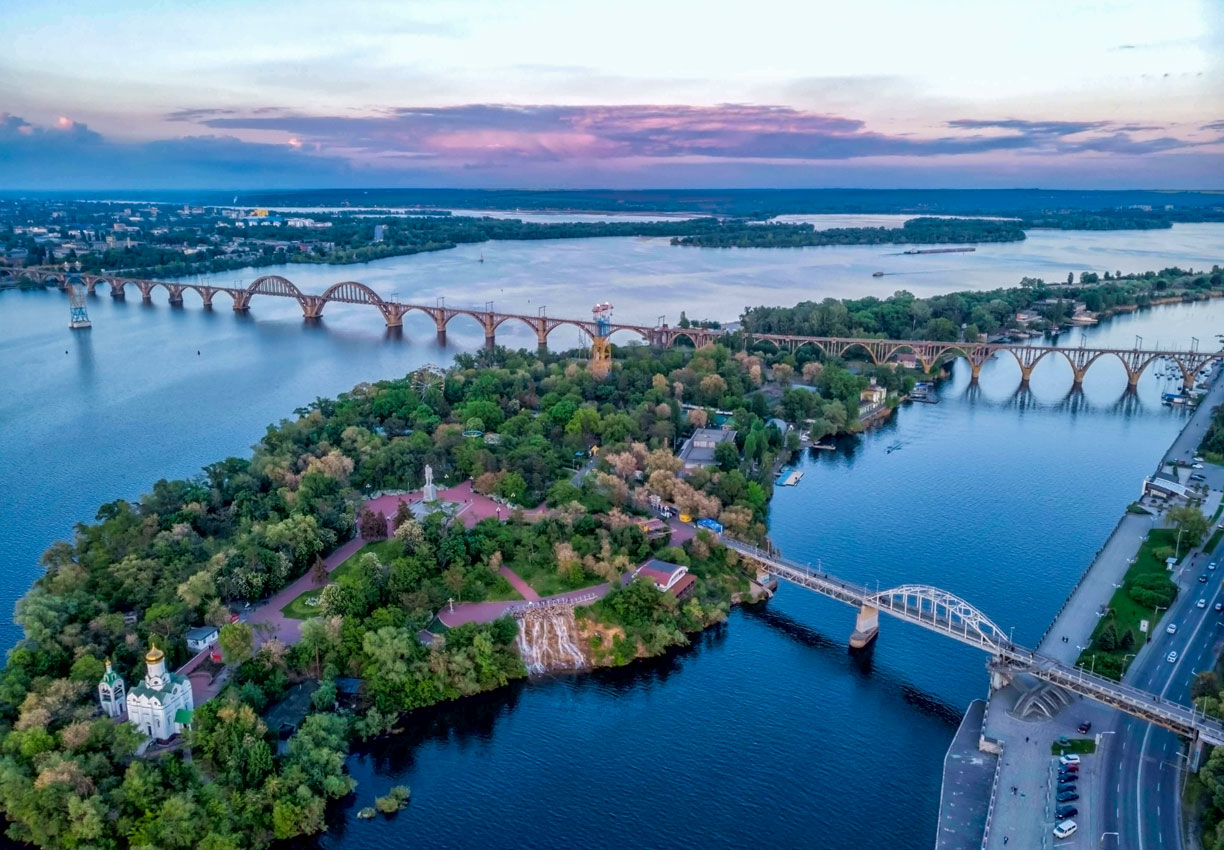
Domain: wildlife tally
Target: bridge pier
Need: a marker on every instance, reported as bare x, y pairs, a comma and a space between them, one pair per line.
176, 295
394, 315
312, 307
242, 302
146, 292
207, 295
866, 627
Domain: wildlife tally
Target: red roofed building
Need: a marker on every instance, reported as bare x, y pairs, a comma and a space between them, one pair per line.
671, 578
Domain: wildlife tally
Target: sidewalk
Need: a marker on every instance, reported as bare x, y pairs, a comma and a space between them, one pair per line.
1024, 817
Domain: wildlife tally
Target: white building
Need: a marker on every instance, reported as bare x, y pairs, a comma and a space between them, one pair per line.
111, 692
201, 637
161, 705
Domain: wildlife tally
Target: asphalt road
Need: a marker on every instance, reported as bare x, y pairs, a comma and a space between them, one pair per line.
1140, 789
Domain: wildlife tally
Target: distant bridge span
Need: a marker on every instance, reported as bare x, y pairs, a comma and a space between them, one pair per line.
927, 353
940, 611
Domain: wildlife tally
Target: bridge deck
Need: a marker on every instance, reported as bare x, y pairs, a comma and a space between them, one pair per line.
941, 612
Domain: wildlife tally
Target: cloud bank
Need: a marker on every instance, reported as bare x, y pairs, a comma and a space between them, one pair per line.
595, 145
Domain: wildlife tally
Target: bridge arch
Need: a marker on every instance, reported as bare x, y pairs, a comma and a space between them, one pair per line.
820, 347
676, 334
274, 284
942, 609
352, 292
862, 346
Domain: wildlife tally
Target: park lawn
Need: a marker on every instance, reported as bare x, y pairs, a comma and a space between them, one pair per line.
1126, 612
386, 550
546, 581
1079, 746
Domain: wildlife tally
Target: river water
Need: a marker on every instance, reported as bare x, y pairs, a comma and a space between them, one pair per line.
766, 731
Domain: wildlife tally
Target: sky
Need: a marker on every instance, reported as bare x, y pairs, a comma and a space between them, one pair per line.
630, 94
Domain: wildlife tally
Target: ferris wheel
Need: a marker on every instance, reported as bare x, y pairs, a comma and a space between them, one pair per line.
429, 375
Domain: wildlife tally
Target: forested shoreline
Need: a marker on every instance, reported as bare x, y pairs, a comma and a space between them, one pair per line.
194, 550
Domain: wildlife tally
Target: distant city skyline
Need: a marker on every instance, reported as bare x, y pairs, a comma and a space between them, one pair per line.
529, 93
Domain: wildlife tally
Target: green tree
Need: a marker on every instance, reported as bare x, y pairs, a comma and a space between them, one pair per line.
1190, 523
237, 642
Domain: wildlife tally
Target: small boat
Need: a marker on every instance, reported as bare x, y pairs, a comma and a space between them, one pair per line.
877, 274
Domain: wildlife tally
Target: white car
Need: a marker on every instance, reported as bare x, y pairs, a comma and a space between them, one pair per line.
1171, 657
1212, 565
1069, 758
1065, 829
1196, 466
1171, 628
1198, 459
1202, 603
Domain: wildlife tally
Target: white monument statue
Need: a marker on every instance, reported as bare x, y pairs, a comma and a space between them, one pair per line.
431, 490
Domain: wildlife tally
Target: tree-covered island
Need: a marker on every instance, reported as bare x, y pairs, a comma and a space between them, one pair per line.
582, 469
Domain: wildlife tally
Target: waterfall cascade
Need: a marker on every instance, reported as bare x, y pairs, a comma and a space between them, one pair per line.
548, 640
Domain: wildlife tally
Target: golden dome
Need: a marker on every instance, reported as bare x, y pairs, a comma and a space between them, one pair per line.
154, 655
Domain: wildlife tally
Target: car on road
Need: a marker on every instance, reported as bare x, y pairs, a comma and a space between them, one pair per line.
1084, 727
1171, 628
1202, 603
1065, 812
1219, 606
1065, 829
1212, 565
1066, 796
1171, 657
1203, 580
1196, 466
1069, 758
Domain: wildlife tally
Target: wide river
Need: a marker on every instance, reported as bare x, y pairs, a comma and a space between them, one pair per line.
766, 731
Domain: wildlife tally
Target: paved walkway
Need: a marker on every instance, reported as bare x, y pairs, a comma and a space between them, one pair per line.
473, 507
1025, 817
525, 590
268, 615
968, 775
487, 612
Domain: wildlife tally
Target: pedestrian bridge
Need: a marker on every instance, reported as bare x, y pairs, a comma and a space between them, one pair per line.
939, 611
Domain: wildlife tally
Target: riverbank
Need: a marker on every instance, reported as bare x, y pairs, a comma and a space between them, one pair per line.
1020, 802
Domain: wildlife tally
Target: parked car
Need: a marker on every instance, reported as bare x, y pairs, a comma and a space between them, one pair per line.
1197, 459
1172, 656
1067, 796
1064, 787
1065, 812
1171, 628
1066, 774
1084, 727
1069, 758
1065, 829
1196, 466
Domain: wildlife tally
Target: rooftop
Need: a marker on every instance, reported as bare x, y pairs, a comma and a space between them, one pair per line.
698, 450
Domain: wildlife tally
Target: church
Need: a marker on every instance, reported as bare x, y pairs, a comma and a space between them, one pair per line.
159, 707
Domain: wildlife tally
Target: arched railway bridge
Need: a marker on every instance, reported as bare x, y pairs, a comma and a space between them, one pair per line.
942, 612
927, 353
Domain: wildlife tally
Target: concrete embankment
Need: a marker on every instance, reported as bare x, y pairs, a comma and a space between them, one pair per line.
970, 777
1022, 814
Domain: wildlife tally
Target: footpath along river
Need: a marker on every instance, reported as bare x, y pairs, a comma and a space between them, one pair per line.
766, 731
